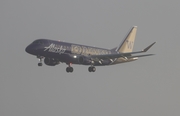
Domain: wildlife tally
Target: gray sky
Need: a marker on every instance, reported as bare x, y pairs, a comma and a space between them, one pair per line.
147, 87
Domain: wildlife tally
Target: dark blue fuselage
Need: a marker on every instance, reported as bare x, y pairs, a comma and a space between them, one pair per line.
66, 52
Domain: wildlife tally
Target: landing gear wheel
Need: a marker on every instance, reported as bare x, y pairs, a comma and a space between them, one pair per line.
40, 64
91, 69
69, 69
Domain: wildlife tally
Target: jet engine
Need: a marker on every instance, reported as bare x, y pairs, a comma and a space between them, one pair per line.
51, 61
84, 60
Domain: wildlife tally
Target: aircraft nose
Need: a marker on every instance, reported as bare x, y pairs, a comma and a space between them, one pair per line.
27, 49
31, 49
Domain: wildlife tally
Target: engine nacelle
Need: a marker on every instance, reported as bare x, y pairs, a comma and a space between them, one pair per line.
51, 62
84, 60
104, 62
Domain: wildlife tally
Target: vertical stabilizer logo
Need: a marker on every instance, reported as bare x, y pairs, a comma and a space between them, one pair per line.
129, 44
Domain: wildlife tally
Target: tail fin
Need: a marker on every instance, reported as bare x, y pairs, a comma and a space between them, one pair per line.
128, 43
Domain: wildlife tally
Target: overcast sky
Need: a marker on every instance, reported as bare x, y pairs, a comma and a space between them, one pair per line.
147, 87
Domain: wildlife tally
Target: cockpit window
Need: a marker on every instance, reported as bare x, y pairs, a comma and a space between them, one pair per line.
37, 42
40, 42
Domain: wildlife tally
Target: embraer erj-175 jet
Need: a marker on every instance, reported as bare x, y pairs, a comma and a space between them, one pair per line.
56, 52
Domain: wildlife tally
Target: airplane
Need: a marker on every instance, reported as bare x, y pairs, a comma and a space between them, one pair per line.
56, 52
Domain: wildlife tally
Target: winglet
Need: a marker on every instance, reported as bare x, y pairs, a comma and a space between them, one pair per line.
146, 49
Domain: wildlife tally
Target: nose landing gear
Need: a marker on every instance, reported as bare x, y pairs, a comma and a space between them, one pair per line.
40, 64
40, 60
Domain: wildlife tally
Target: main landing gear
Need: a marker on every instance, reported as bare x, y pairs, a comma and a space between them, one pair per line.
92, 69
69, 69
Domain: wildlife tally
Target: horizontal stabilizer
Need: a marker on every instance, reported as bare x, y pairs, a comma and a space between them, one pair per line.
146, 49
141, 55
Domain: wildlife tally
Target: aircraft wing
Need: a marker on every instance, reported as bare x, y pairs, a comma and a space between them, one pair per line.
128, 54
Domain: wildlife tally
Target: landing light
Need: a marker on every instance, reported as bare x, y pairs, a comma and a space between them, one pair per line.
75, 56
